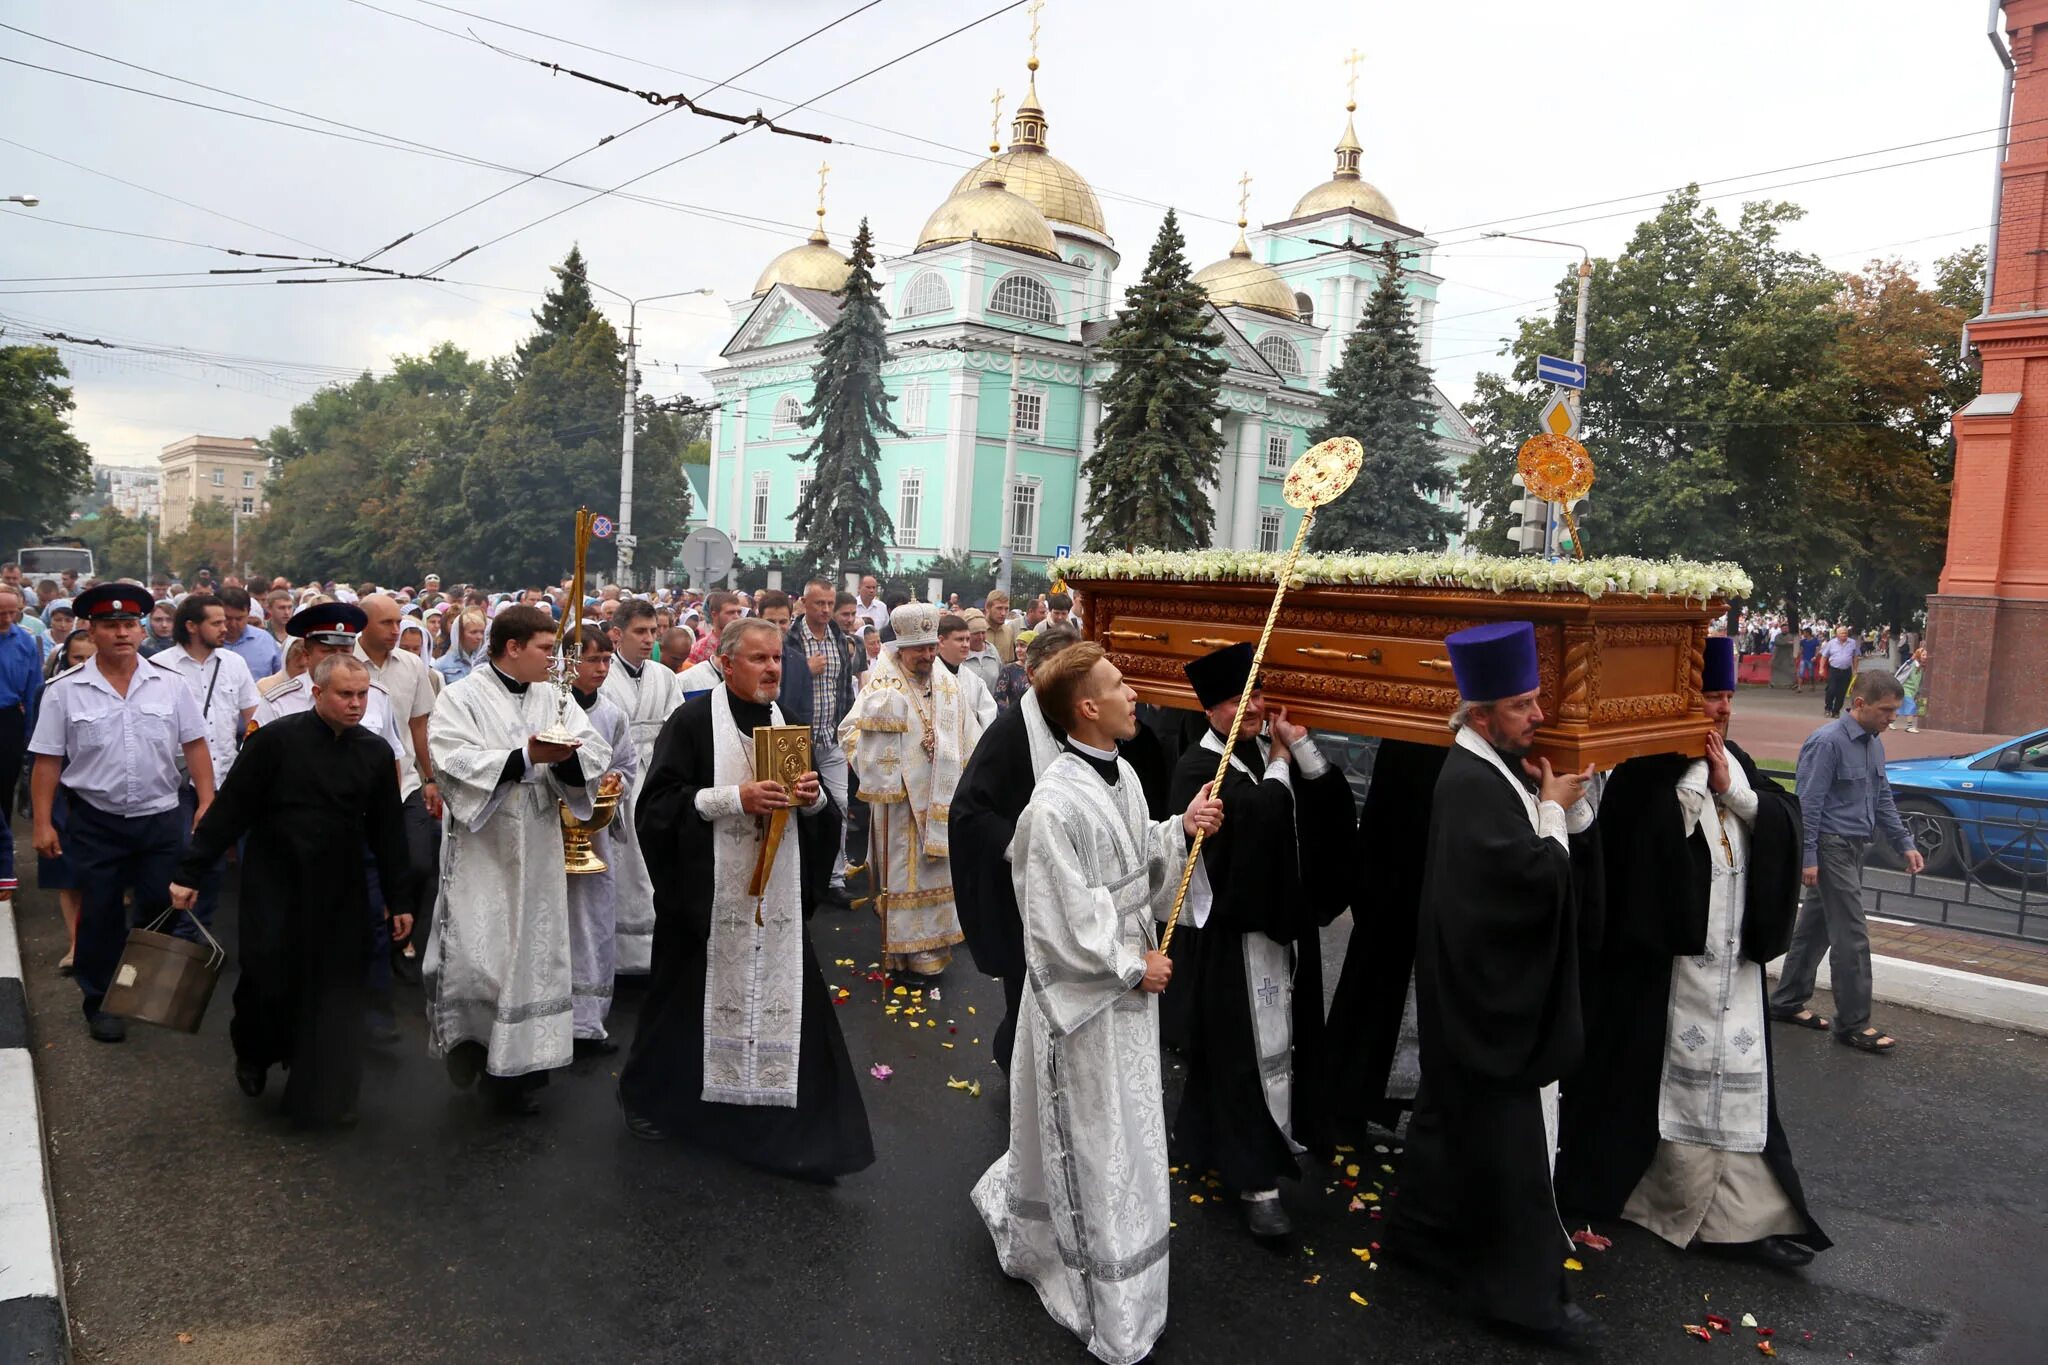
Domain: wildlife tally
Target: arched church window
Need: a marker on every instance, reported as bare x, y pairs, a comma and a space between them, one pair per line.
789, 412
927, 294
1305, 308
1020, 296
1280, 353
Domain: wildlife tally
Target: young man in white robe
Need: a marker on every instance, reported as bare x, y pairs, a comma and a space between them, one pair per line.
594, 896
1079, 1204
954, 646
497, 968
649, 694
907, 738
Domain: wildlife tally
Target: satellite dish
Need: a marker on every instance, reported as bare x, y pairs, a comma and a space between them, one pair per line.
707, 556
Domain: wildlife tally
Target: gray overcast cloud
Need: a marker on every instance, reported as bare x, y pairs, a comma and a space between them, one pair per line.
1469, 113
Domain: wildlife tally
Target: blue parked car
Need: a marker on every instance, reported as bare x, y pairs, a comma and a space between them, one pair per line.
1986, 812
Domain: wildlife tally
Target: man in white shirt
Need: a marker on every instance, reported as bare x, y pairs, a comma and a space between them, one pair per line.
403, 676
226, 695
873, 611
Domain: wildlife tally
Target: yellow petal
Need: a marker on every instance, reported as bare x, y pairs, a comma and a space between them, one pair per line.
900, 990
1359, 1299
970, 1009
1362, 1253
947, 1046
1194, 1199
1347, 1149
1572, 1263
1352, 1170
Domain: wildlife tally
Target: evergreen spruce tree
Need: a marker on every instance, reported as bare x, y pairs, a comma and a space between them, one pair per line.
1159, 442
562, 311
1380, 392
841, 519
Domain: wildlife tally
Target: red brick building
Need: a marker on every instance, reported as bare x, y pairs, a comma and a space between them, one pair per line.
1987, 625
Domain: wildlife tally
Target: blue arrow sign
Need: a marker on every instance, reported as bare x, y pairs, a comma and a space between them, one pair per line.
1551, 370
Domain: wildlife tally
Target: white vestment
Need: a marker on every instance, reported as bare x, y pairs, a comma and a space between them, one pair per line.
1708, 1177
912, 796
753, 972
497, 966
1079, 1205
647, 702
594, 896
975, 694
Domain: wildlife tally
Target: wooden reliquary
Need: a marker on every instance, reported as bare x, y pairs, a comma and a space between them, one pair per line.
1620, 671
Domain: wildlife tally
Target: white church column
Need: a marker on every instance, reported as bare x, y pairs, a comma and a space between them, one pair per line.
735, 502
1244, 523
1219, 488
1426, 328
964, 411
1091, 421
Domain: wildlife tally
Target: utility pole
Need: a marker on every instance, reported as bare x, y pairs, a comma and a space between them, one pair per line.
148, 547
625, 532
235, 550
1009, 554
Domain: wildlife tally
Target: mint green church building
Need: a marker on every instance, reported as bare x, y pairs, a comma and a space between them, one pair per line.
995, 324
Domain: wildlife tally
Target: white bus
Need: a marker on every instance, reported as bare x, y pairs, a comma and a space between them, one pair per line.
51, 560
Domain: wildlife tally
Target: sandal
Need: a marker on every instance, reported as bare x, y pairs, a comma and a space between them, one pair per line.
1868, 1040
1804, 1019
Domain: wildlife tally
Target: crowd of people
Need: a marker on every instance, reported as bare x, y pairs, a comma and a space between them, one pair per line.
1554, 979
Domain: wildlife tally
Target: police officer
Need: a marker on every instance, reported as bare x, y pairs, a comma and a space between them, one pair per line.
329, 628
111, 730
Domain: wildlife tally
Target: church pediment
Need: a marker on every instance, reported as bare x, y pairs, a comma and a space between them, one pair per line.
783, 315
1241, 353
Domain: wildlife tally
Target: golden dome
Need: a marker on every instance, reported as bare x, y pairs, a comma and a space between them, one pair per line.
1031, 172
814, 265
1238, 279
1346, 189
989, 213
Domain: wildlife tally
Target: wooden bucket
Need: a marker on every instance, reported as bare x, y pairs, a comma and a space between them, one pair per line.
163, 979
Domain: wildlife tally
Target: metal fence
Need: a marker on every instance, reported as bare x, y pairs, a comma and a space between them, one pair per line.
1987, 863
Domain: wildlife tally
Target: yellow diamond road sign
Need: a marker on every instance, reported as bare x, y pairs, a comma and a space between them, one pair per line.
1558, 419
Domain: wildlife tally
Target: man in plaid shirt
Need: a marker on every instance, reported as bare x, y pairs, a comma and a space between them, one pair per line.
817, 683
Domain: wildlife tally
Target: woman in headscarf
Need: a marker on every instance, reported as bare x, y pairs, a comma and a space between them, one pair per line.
158, 638
412, 635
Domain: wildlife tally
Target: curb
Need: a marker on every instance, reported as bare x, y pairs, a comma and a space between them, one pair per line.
33, 1323
1946, 991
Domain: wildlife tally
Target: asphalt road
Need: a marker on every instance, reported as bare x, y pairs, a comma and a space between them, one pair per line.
435, 1232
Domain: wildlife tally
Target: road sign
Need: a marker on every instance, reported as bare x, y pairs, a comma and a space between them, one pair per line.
1558, 418
707, 556
1062, 552
628, 541
601, 527
1551, 370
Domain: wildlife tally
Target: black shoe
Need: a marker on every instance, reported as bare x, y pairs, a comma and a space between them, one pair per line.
382, 1025
1267, 1220
643, 1128
594, 1047
405, 966
515, 1103
836, 898
1776, 1252
107, 1028
1578, 1330
465, 1061
252, 1077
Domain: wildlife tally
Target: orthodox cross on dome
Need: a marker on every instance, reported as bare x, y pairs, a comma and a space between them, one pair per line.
1032, 9
995, 122
1352, 61
818, 233
1244, 196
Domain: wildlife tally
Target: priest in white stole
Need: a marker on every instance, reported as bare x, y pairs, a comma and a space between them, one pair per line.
1672, 1121
908, 738
649, 693
594, 896
1079, 1204
738, 1047
497, 965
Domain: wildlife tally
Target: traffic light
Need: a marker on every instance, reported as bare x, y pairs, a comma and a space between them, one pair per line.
1527, 537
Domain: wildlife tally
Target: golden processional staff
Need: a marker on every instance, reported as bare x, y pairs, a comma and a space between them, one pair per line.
1321, 473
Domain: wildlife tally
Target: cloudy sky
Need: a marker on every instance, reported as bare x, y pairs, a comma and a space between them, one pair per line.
1507, 115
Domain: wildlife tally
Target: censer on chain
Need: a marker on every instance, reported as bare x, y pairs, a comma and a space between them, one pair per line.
579, 858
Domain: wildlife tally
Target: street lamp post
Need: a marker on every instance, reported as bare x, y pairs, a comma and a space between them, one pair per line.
1570, 396
625, 517
27, 201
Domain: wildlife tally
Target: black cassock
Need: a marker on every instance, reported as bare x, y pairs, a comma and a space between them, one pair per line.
826, 1134
309, 801
1507, 915
1657, 886
1268, 873
1364, 1031
994, 788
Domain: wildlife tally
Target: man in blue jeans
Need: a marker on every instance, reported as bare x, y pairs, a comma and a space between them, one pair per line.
1844, 802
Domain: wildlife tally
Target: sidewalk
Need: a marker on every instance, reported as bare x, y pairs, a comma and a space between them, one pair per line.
1977, 977
1772, 724
33, 1326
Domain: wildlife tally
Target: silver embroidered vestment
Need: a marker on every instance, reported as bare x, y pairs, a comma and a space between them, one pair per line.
1079, 1204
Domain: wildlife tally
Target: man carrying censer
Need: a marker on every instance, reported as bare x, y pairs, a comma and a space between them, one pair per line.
738, 1048
594, 896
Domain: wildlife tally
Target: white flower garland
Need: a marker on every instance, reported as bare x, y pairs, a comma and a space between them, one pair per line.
1491, 573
